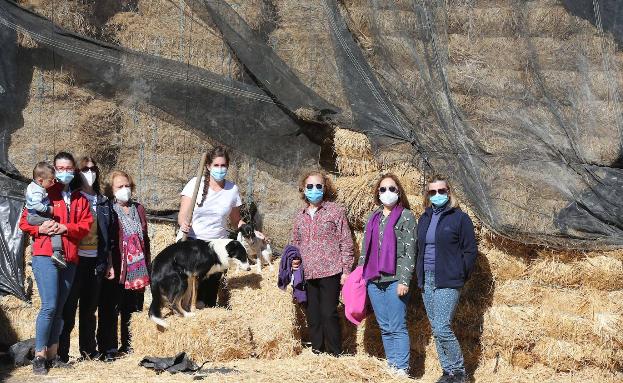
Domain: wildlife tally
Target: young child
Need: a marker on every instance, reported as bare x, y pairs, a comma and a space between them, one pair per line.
39, 208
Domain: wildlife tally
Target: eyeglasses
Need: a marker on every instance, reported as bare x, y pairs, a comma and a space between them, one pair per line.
91, 168
311, 186
439, 191
392, 189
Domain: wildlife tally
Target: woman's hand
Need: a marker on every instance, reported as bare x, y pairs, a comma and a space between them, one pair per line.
402, 290
60, 229
185, 227
343, 279
296, 264
48, 227
110, 272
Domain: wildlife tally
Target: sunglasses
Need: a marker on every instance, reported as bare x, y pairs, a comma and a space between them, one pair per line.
311, 186
392, 189
91, 168
440, 191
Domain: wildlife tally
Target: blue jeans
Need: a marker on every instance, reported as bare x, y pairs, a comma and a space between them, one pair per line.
54, 286
391, 313
440, 306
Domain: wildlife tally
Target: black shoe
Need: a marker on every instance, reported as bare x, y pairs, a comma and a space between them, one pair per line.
90, 356
126, 350
445, 378
58, 259
109, 357
38, 366
59, 363
458, 377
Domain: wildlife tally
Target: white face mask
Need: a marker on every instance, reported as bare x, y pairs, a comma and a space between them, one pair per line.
123, 194
388, 198
89, 177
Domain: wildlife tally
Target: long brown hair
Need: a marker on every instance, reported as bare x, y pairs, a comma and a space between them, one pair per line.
402, 196
83, 162
329, 190
439, 178
217, 151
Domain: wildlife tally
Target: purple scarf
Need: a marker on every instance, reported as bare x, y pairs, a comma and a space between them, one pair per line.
383, 261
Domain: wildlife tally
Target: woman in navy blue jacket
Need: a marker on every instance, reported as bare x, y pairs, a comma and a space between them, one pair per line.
94, 251
446, 254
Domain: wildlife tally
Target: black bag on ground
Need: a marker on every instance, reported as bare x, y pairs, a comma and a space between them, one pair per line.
22, 353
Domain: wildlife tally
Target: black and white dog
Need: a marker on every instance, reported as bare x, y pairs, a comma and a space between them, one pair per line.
178, 268
256, 246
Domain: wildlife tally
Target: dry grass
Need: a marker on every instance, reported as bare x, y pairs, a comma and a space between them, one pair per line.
259, 321
215, 334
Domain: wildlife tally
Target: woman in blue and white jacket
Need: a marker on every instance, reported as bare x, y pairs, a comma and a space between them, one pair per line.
446, 254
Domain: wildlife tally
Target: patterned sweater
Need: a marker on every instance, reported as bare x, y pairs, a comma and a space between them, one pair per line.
405, 248
324, 241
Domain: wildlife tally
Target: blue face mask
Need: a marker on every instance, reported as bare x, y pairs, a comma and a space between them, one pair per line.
314, 195
65, 177
439, 199
218, 173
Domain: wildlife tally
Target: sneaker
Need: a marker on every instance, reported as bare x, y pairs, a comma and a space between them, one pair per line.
445, 378
90, 356
57, 362
398, 372
59, 260
38, 366
126, 350
109, 357
458, 377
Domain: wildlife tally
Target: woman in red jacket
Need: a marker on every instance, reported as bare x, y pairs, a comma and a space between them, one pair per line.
72, 220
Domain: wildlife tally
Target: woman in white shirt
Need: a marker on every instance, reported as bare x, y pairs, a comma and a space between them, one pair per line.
218, 203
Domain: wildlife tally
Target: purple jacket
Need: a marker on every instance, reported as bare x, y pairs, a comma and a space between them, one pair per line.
290, 253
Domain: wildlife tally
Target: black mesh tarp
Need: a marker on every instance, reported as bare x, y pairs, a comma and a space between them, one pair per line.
525, 120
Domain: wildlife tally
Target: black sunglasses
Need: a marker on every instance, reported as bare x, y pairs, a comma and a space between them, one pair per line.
392, 189
91, 168
440, 191
311, 186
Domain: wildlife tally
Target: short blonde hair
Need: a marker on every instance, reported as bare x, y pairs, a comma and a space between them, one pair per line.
111, 177
329, 190
439, 178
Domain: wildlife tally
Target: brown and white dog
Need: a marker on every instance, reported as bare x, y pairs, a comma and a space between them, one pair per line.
256, 246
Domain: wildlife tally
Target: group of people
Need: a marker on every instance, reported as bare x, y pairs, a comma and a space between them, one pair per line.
440, 248
91, 250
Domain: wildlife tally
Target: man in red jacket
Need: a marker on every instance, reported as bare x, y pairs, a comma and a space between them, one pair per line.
72, 220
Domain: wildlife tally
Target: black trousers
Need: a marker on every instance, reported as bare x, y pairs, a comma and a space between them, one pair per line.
116, 302
84, 292
323, 296
207, 291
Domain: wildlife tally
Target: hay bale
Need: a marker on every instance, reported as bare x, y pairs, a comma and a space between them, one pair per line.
351, 144
569, 356
215, 334
268, 312
599, 272
18, 320
354, 166
161, 235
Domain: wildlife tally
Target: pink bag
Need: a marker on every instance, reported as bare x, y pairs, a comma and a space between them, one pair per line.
355, 296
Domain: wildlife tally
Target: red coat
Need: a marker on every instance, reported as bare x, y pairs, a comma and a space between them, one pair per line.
78, 224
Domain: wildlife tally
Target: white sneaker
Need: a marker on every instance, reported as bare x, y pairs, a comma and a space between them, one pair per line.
398, 372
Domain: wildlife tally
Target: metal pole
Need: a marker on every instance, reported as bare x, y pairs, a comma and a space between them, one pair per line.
200, 171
